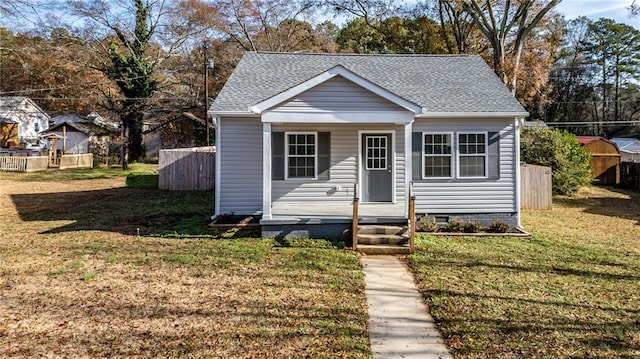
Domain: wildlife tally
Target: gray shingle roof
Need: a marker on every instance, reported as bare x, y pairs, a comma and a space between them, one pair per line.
437, 83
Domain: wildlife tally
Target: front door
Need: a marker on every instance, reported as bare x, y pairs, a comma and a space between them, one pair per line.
377, 167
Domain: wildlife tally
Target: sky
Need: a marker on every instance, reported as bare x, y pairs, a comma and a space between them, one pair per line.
595, 9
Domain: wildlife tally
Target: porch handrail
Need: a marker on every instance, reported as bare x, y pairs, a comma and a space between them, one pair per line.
412, 218
354, 222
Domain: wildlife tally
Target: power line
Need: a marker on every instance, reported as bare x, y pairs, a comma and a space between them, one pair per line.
591, 123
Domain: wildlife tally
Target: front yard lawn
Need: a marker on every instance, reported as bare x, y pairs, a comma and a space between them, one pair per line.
91, 268
572, 291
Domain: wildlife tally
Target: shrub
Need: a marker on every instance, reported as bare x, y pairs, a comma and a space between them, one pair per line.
472, 227
455, 225
498, 227
560, 150
426, 224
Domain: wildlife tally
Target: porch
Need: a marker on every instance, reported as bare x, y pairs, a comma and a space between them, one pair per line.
338, 211
372, 228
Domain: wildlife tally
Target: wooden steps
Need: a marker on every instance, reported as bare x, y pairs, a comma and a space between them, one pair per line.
383, 239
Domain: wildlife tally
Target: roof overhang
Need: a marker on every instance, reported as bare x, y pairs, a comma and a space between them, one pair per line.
289, 94
482, 115
386, 117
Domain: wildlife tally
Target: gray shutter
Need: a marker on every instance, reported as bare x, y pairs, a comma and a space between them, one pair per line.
324, 155
494, 155
416, 155
277, 155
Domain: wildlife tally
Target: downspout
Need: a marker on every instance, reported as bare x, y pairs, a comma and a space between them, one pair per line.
518, 124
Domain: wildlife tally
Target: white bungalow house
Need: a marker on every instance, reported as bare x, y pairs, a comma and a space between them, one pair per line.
300, 135
29, 117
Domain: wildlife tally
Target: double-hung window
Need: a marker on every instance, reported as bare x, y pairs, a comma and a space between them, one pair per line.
437, 155
472, 154
301, 155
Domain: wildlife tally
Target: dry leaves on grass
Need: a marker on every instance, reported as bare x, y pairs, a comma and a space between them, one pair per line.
103, 293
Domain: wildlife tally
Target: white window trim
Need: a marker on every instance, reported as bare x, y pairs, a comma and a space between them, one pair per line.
485, 155
315, 156
451, 156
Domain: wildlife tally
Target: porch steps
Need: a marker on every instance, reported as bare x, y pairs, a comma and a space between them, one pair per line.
383, 239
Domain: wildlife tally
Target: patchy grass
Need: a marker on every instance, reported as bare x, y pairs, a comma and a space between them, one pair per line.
77, 280
570, 292
83, 173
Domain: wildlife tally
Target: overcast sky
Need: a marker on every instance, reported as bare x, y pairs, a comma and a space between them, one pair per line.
595, 9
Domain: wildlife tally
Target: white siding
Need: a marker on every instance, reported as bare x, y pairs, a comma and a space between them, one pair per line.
470, 195
344, 166
337, 94
240, 165
77, 142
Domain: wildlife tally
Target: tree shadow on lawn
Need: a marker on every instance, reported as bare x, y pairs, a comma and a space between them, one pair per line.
127, 211
594, 332
628, 208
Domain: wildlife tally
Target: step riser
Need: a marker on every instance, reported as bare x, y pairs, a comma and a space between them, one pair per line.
383, 250
397, 230
379, 239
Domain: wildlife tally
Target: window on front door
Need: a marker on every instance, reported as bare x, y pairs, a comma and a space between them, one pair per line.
301, 155
376, 155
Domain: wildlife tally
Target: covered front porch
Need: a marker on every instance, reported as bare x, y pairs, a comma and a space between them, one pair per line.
338, 211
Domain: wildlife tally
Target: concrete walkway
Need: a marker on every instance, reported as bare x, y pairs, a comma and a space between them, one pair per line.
399, 324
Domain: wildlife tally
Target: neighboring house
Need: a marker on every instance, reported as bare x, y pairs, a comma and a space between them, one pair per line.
78, 134
534, 124
629, 148
605, 159
297, 133
29, 117
8, 133
168, 129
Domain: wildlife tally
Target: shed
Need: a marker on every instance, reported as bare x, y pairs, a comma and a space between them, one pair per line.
605, 159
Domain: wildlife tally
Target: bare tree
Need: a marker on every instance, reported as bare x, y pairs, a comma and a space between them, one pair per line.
502, 21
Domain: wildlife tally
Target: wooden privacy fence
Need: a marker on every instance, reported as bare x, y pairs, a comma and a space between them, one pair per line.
535, 187
84, 160
187, 169
630, 175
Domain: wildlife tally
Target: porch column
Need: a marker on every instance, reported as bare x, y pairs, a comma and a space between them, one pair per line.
266, 170
408, 164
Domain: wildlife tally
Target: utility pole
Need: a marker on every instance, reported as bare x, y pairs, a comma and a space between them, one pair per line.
208, 64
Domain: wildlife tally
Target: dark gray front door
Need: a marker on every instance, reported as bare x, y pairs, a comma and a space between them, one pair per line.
377, 170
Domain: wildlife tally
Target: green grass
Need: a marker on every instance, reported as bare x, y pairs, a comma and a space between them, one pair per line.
569, 292
135, 169
78, 281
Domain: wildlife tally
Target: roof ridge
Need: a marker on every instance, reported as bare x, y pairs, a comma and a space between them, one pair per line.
362, 55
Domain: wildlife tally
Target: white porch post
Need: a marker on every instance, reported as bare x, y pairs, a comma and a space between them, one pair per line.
266, 170
408, 164
218, 173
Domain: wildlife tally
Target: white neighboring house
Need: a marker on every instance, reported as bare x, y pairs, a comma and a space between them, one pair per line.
629, 148
31, 119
